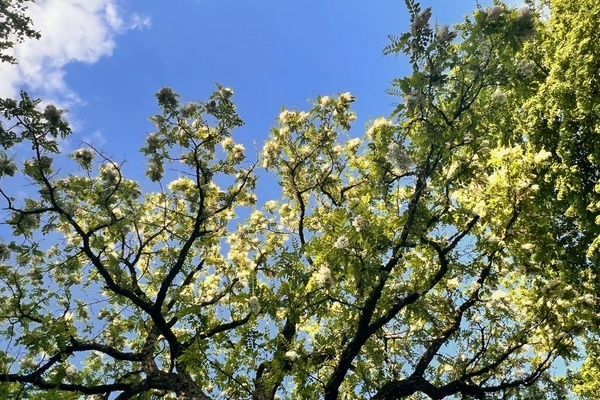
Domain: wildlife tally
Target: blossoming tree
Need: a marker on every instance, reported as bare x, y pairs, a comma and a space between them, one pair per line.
16, 27
420, 260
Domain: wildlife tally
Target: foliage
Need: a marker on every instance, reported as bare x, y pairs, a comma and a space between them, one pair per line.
562, 115
427, 258
15, 27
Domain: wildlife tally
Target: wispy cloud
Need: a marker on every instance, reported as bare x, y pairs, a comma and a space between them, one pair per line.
72, 31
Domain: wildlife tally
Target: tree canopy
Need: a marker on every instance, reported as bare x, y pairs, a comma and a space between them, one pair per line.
450, 251
15, 27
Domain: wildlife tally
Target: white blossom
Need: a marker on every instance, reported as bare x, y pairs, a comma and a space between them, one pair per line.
360, 223
325, 101
377, 124
291, 355
347, 97
182, 184
360, 253
75, 278
453, 283
270, 206
420, 21
589, 299
397, 158
286, 116
270, 152
28, 362
474, 286
254, 305
70, 371
526, 68
302, 117
353, 144
541, 156
236, 153
341, 242
527, 246
525, 21
444, 35
452, 169
226, 92
323, 276
110, 173
83, 156
227, 143
499, 97
413, 100
493, 13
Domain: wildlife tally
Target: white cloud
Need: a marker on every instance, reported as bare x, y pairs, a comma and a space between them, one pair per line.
72, 31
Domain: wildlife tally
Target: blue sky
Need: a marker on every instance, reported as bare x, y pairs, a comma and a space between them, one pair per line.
105, 59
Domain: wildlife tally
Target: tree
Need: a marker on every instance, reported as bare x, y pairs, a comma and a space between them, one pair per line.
15, 26
426, 259
562, 116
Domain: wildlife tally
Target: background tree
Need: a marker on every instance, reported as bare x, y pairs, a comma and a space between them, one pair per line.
15, 27
562, 116
426, 259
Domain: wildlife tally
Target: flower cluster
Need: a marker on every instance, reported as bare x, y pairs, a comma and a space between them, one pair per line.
155, 169
525, 23
53, 115
270, 153
226, 93
270, 206
378, 124
541, 156
414, 100
326, 101
360, 223
420, 21
7, 166
322, 277
444, 35
499, 97
153, 142
453, 283
353, 145
110, 173
347, 97
236, 151
84, 157
167, 98
397, 158
526, 68
341, 242
254, 305
292, 119
493, 13
183, 184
